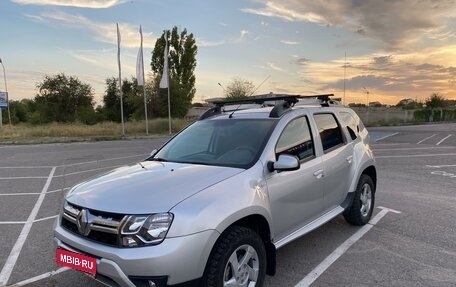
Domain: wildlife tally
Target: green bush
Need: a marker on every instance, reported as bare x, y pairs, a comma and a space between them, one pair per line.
434, 115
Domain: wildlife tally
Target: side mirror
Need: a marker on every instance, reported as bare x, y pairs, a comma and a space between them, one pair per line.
152, 153
284, 163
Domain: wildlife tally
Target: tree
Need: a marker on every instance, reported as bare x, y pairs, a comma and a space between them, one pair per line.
18, 112
357, 105
239, 88
409, 104
60, 98
182, 63
133, 105
111, 101
436, 100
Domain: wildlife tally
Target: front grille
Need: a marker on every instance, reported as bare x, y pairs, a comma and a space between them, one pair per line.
101, 227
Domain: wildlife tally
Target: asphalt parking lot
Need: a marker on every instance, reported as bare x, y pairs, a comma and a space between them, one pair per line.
411, 240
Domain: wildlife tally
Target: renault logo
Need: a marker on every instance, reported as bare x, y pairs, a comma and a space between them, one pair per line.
82, 222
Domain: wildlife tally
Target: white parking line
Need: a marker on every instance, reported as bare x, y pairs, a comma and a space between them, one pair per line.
423, 140
102, 160
24, 222
25, 167
442, 140
440, 166
19, 193
12, 222
384, 137
415, 148
40, 277
336, 254
61, 175
23, 177
415, 155
15, 252
382, 144
73, 164
46, 218
88, 170
34, 193
57, 190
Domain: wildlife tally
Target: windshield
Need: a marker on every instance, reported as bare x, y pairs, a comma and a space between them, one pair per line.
226, 142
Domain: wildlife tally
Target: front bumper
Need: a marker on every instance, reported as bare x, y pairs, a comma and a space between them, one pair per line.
179, 259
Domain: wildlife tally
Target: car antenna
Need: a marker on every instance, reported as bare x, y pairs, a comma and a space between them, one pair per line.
231, 115
256, 89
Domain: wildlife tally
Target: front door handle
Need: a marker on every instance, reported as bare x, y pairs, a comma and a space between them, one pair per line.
319, 173
350, 159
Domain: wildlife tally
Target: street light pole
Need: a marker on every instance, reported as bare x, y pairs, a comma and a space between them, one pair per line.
367, 95
7, 96
222, 87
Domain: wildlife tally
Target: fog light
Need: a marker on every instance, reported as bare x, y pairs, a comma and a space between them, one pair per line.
129, 241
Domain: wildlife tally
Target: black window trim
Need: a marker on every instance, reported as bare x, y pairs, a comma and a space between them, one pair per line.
344, 138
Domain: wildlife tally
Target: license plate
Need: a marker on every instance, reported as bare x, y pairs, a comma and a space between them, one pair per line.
76, 261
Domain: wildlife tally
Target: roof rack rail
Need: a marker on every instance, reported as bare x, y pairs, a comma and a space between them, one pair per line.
284, 102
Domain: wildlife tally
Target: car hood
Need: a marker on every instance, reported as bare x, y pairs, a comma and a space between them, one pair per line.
155, 188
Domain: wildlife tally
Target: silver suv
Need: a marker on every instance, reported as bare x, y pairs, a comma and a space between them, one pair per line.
212, 205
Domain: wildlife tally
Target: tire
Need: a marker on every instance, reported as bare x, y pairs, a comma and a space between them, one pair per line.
231, 249
360, 211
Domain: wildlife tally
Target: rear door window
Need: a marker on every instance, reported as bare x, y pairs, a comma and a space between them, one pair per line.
329, 130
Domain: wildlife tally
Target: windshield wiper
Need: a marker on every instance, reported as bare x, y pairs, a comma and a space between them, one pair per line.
159, 159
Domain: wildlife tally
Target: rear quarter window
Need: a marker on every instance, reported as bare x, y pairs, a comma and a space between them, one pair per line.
351, 124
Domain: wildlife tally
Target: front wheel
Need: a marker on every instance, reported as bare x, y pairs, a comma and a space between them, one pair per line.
360, 211
238, 259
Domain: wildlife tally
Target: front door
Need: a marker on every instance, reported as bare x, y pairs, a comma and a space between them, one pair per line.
296, 197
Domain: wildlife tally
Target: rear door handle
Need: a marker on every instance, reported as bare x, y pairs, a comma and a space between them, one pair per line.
350, 159
319, 173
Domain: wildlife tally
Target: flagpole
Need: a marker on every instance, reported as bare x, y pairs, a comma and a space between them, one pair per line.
345, 68
169, 107
144, 82
120, 81
167, 69
7, 97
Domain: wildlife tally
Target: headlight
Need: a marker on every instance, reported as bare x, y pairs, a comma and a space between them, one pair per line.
141, 230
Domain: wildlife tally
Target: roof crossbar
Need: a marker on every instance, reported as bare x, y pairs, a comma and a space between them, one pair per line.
283, 103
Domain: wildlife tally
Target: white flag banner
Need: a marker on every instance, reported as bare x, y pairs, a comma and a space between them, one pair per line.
164, 80
140, 63
118, 35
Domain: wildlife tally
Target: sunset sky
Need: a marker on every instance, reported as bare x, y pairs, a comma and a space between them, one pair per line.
394, 49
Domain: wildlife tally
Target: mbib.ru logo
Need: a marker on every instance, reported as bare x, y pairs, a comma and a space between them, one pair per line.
76, 261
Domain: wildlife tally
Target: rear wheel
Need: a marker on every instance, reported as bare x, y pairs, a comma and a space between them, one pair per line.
360, 211
238, 259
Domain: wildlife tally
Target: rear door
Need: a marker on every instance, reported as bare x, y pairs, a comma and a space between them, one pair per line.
337, 159
296, 197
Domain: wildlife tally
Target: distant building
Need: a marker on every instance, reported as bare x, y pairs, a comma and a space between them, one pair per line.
196, 112
375, 104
